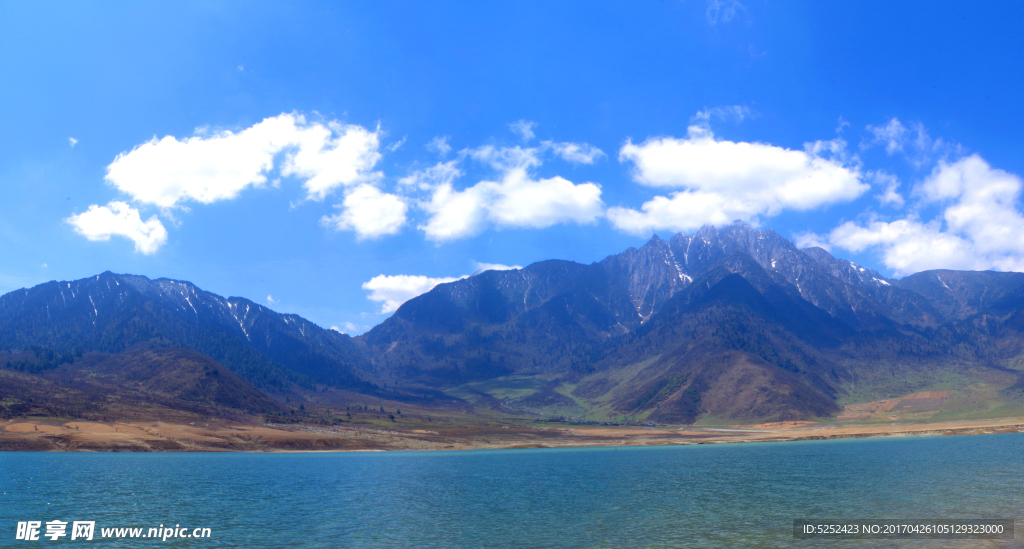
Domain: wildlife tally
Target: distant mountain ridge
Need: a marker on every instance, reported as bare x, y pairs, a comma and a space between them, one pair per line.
734, 323
113, 313
562, 307
634, 332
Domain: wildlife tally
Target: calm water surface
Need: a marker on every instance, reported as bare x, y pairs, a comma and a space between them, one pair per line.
734, 495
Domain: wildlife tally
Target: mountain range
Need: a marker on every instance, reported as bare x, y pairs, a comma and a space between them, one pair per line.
731, 323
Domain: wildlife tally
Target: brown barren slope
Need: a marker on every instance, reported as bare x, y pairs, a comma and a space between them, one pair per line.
52, 435
166, 384
733, 385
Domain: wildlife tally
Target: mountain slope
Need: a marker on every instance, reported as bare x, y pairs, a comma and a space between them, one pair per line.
113, 313
551, 317
534, 321
167, 383
679, 363
730, 323
630, 332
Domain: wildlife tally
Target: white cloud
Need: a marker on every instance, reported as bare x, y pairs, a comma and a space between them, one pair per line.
809, 240
889, 195
731, 113
271, 300
893, 135
369, 212
682, 211
439, 145
506, 158
72, 141
350, 328
579, 153
396, 145
908, 245
913, 142
516, 200
980, 226
841, 125
521, 201
722, 181
120, 219
523, 128
216, 166
481, 267
455, 214
984, 206
722, 11
438, 174
332, 155
391, 291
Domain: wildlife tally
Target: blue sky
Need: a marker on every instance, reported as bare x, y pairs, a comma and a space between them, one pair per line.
331, 159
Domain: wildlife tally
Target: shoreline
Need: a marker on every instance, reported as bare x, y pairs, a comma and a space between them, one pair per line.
157, 436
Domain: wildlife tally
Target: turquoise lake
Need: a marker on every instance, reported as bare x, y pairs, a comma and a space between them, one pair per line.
730, 495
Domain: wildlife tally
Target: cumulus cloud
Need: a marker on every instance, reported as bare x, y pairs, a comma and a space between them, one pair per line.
681, 212
893, 135
579, 153
810, 240
439, 145
506, 158
271, 300
980, 226
908, 245
213, 166
391, 291
438, 174
72, 141
350, 328
912, 141
891, 184
396, 145
523, 128
516, 199
369, 212
481, 267
455, 214
120, 219
730, 113
721, 181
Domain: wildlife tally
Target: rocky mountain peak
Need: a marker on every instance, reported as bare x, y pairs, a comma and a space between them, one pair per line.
845, 270
659, 269
650, 275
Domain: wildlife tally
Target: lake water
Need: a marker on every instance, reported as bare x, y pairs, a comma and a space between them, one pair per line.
732, 495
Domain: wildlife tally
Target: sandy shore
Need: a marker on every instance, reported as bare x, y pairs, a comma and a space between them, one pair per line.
52, 435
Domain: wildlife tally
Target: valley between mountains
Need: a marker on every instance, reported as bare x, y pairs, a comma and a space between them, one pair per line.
728, 326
